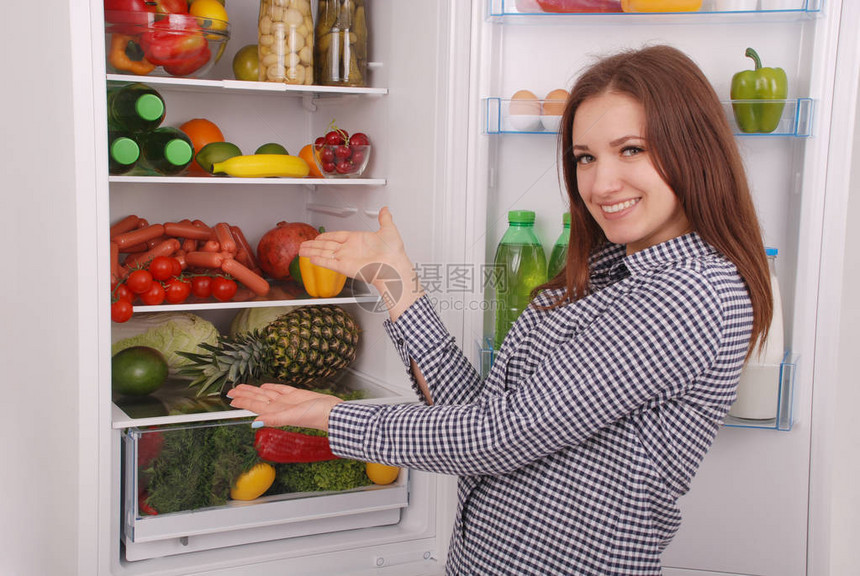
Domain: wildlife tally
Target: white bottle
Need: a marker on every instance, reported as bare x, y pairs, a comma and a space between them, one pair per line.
758, 389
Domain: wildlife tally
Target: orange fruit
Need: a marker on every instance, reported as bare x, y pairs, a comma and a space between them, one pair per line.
307, 154
201, 132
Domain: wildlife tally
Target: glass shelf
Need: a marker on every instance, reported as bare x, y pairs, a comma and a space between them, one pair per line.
796, 118
528, 12
248, 181
236, 86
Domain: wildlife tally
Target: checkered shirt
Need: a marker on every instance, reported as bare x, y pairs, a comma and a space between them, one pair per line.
571, 455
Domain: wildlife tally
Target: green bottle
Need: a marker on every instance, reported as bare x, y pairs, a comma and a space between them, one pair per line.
134, 108
166, 150
520, 266
558, 257
123, 153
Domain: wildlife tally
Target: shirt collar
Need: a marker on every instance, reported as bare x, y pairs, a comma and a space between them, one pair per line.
611, 259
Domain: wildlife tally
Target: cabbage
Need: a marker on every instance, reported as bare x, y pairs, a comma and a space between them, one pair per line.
167, 332
250, 319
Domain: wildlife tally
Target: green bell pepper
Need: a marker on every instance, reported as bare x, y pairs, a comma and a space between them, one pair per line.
758, 84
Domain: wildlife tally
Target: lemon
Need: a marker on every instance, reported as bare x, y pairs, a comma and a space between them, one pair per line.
253, 483
381, 473
212, 13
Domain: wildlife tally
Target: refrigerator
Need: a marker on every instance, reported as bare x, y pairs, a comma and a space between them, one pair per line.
449, 160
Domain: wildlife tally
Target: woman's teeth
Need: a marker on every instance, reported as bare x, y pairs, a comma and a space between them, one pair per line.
620, 206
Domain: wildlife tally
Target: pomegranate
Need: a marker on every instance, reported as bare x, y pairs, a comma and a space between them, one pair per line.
280, 245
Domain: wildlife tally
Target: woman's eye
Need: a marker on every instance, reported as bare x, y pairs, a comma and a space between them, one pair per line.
631, 150
583, 159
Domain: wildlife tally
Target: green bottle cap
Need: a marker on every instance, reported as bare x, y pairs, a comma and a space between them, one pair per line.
149, 107
565, 219
178, 152
125, 150
521, 217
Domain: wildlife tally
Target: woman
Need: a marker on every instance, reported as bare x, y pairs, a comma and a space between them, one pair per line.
610, 388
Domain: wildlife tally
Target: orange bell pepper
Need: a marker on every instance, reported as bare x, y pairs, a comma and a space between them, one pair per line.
320, 282
661, 5
125, 55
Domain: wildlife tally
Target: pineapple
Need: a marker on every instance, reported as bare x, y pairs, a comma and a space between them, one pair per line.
297, 348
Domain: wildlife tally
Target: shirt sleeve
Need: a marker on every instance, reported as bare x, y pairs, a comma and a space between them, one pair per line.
419, 335
630, 358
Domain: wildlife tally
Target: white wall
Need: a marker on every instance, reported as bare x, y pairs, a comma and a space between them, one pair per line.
845, 524
38, 295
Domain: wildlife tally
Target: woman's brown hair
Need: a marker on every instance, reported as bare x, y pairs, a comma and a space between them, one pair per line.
694, 151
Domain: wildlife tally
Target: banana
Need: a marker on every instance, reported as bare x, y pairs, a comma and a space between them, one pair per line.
262, 166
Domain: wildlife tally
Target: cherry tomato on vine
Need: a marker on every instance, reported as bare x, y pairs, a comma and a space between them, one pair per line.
201, 286
161, 268
223, 289
336, 137
177, 266
154, 296
139, 281
121, 292
343, 152
121, 311
176, 290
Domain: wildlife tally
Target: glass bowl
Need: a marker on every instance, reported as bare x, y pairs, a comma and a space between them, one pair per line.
342, 160
151, 43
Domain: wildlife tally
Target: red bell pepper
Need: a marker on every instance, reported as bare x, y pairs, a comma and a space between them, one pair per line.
174, 41
580, 5
127, 16
286, 447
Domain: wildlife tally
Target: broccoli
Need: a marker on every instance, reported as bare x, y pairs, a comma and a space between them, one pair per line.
331, 475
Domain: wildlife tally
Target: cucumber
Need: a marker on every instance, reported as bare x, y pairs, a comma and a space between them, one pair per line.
216, 152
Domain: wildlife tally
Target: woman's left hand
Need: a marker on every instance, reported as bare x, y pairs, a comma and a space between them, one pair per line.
280, 405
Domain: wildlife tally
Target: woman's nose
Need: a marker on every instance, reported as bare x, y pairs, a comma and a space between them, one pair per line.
607, 178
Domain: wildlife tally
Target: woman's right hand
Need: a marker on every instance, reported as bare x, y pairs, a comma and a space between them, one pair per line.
373, 255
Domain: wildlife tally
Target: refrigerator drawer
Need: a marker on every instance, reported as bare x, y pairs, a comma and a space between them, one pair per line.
187, 472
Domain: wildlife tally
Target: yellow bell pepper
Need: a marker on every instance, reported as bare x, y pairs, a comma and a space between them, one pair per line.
320, 282
661, 5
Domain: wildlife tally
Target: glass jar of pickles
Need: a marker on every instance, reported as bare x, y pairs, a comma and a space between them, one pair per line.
340, 49
285, 40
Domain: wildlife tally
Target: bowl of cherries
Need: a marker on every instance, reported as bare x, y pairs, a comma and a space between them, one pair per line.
341, 155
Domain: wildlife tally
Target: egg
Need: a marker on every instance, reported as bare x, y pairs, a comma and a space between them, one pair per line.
524, 102
553, 104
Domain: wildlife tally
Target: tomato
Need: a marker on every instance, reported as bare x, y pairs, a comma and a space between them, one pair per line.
223, 288
177, 266
359, 139
201, 286
121, 311
154, 296
139, 281
177, 290
161, 268
123, 293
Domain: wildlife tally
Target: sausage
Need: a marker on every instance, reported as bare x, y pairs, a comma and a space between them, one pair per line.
180, 256
187, 230
225, 237
189, 245
150, 244
244, 252
166, 248
204, 259
246, 276
142, 223
142, 247
127, 224
137, 236
114, 262
210, 246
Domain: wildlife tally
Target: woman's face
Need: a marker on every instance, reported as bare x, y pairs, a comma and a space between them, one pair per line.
616, 176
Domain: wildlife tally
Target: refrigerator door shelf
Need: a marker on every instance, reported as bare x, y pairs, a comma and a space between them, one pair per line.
529, 12
796, 121
782, 393
240, 522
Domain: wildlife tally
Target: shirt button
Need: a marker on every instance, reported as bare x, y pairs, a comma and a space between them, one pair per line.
400, 341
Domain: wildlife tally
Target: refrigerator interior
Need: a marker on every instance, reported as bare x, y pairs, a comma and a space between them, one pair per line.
405, 115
